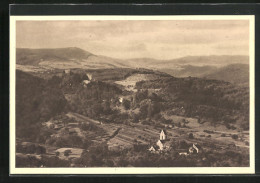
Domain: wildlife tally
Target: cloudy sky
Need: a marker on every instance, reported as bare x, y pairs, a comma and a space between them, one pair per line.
139, 38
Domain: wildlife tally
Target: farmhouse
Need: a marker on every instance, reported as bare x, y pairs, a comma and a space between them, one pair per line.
195, 148
183, 152
67, 71
153, 149
86, 82
121, 99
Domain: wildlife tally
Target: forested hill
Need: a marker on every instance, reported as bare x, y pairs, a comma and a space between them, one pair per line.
235, 73
64, 58
36, 101
213, 100
26, 56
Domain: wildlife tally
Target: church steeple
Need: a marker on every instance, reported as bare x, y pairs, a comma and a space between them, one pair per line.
163, 135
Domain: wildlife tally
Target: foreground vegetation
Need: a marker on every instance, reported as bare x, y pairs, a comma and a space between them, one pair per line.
154, 106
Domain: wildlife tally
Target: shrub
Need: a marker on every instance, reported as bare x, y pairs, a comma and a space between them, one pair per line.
126, 104
122, 162
140, 147
145, 122
208, 131
183, 144
67, 152
27, 161
109, 163
54, 161
19, 148
234, 136
86, 144
191, 136
30, 148
40, 150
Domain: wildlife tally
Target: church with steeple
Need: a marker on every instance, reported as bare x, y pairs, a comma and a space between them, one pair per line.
162, 144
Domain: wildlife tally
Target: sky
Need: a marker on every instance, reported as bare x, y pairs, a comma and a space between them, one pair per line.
125, 39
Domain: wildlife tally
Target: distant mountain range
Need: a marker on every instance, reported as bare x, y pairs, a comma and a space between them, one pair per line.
229, 68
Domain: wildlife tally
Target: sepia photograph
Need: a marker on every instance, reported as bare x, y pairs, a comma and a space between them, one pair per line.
132, 94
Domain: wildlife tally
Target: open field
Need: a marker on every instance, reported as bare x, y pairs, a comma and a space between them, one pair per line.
130, 82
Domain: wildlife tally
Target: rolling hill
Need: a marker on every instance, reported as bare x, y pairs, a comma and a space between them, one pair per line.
234, 73
229, 68
195, 66
212, 60
64, 58
190, 70
26, 56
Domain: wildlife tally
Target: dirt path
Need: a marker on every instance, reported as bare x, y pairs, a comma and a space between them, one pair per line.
81, 117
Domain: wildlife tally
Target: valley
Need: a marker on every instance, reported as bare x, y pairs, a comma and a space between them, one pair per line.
111, 115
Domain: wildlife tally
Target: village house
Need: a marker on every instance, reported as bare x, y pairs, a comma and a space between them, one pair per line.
86, 82
154, 149
89, 76
67, 71
195, 148
121, 99
183, 152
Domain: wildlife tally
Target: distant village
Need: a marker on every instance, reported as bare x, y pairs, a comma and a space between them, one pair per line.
163, 145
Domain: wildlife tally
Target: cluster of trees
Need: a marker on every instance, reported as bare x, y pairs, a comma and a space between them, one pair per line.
69, 141
98, 155
36, 102
99, 99
138, 156
43, 161
30, 149
95, 100
213, 100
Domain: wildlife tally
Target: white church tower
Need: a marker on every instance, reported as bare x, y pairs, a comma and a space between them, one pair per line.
163, 135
